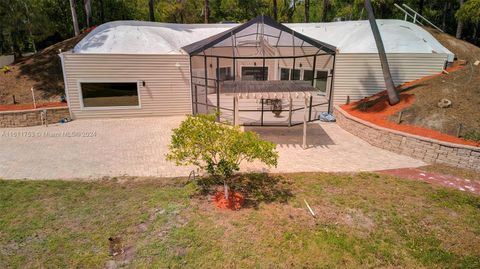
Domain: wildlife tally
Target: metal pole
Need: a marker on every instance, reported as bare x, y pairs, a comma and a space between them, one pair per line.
314, 67
330, 98
218, 90
304, 144
206, 83
261, 115
310, 109
236, 116
290, 107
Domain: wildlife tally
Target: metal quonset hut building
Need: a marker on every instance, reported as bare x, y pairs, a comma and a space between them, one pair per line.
131, 68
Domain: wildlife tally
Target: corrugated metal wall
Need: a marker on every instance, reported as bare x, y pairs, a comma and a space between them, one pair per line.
167, 82
360, 75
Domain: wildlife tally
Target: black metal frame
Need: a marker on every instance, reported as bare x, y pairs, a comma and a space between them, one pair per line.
197, 49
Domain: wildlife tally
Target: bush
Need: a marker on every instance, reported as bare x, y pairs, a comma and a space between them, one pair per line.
217, 148
475, 136
5, 69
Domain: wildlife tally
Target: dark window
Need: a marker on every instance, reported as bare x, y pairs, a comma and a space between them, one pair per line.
109, 94
254, 73
308, 75
321, 80
224, 73
295, 74
284, 74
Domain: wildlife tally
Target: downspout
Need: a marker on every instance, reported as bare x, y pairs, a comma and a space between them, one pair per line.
62, 60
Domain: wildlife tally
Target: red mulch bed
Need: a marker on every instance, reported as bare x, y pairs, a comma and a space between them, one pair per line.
379, 112
235, 200
30, 106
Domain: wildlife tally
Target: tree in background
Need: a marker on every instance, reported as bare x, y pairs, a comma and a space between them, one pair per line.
393, 98
307, 10
88, 11
151, 9
470, 13
325, 10
275, 10
458, 34
206, 11
73, 8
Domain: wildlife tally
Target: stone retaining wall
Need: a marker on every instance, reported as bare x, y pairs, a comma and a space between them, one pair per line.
32, 117
426, 149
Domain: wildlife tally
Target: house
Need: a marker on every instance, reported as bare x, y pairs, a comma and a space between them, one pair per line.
133, 69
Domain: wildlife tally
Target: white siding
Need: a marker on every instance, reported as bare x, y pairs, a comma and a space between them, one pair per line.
360, 75
167, 90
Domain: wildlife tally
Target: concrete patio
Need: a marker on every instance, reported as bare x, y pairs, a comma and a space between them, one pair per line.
89, 149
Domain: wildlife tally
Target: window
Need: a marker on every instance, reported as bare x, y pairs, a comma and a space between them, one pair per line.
308, 75
321, 81
295, 74
109, 94
254, 73
224, 73
284, 74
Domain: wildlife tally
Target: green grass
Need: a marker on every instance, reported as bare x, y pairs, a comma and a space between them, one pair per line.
363, 220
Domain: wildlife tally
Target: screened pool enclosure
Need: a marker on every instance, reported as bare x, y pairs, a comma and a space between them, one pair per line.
261, 73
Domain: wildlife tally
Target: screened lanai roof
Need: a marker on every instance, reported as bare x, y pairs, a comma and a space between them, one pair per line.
263, 32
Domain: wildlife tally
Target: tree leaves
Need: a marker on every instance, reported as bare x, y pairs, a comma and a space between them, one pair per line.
217, 148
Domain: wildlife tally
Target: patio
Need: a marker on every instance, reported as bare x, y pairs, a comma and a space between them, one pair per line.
137, 147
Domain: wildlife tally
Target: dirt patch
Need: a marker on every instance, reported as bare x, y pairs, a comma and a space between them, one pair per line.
42, 71
462, 87
376, 110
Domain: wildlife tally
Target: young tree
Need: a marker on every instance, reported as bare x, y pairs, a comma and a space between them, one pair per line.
217, 148
151, 9
73, 8
392, 94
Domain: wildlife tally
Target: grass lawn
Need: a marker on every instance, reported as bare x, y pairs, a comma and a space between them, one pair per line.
364, 220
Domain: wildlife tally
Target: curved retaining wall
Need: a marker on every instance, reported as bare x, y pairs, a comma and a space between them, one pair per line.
425, 149
32, 117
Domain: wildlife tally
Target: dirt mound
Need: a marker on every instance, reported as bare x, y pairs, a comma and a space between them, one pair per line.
43, 71
462, 87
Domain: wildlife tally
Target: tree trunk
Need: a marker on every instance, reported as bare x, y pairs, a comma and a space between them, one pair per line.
207, 11
275, 10
102, 12
73, 6
88, 11
392, 94
459, 24
420, 7
151, 9
325, 10
307, 10
444, 17
225, 189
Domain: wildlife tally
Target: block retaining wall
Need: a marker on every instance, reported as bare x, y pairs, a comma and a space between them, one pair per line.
32, 117
426, 149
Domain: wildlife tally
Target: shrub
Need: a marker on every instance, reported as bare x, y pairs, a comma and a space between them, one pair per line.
5, 69
473, 135
217, 148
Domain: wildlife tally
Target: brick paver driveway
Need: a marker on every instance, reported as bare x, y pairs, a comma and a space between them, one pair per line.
137, 147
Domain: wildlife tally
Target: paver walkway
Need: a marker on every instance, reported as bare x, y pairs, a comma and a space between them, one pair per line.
137, 147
